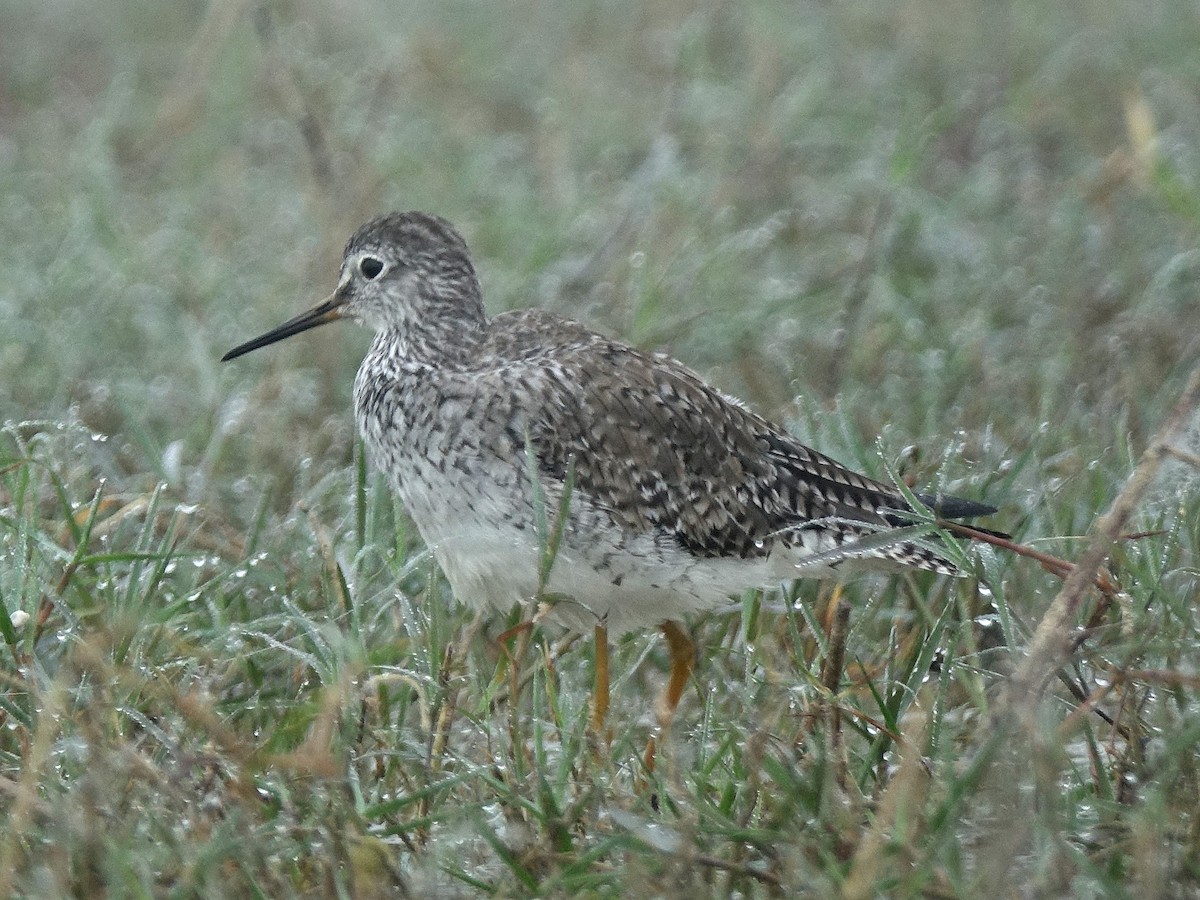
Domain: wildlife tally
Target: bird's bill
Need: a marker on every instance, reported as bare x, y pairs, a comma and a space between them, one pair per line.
327, 310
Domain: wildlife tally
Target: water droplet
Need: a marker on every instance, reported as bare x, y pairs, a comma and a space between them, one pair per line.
172, 461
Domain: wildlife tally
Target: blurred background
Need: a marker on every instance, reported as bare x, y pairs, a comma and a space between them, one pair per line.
943, 216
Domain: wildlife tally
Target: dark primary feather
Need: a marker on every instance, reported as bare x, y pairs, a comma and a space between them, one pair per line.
656, 447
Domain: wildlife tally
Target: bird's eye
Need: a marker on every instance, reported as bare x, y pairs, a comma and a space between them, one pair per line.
370, 267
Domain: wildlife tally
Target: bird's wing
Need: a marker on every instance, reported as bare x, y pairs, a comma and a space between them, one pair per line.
656, 447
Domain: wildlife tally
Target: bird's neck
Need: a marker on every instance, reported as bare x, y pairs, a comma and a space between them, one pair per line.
443, 336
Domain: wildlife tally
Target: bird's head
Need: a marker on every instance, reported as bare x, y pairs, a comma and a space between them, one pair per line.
409, 273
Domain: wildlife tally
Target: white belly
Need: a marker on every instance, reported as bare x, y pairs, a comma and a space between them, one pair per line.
491, 555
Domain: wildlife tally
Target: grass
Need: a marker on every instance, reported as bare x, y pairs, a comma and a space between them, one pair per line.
954, 242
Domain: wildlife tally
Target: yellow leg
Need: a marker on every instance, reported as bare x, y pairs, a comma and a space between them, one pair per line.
683, 661
600, 687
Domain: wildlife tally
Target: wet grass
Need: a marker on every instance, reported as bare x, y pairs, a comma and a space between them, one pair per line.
954, 243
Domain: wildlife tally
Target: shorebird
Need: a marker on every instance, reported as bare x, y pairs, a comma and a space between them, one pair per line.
677, 495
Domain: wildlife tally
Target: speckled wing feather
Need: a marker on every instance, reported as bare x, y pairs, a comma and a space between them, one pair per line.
657, 448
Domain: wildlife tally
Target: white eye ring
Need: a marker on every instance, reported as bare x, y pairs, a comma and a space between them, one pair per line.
371, 267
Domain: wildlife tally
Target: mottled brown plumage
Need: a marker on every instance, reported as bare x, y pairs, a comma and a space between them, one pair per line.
681, 496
